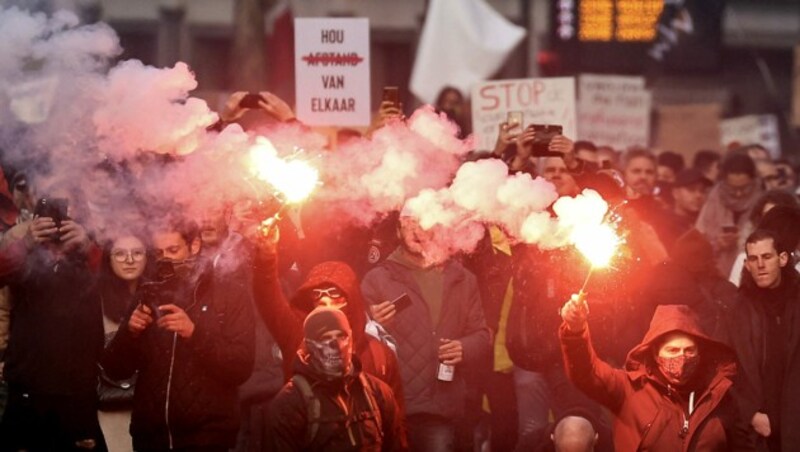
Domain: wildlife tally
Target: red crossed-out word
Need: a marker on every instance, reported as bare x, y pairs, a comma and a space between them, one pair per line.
333, 59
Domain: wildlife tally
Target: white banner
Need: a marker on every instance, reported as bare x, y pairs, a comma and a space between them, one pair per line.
614, 111
752, 129
541, 101
332, 71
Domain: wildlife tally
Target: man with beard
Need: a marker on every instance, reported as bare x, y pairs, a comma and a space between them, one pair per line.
191, 340
674, 392
433, 310
639, 173
331, 404
763, 329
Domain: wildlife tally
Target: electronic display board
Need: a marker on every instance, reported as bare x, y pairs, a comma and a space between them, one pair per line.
631, 35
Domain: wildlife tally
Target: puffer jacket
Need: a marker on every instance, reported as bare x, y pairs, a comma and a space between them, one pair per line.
186, 392
650, 414
347, 420
284, 319
418, 339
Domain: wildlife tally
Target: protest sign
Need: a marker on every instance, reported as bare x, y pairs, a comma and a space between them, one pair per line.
541, 101
613, 111
685, 129
752, 129
332, 71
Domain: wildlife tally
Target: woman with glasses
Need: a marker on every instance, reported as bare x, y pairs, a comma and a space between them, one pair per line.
124, 262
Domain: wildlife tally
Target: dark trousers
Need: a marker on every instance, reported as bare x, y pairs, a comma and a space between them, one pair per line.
49, 422
430, 433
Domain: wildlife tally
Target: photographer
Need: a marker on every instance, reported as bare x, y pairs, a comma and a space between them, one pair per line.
191, 339
56, 334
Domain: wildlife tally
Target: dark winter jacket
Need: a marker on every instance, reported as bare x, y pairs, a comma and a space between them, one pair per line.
748, 326
650, 414
347, 420
186, 392
56, 330
284, 319
543, 280
418, 339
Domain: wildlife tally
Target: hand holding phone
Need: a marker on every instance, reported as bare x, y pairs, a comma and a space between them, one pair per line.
391, 94
541, 142
514, 119
55, 209
251, 100
401, 302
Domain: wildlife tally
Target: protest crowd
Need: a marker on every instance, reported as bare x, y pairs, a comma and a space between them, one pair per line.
155, 319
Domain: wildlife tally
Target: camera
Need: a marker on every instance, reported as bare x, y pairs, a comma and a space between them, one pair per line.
54, 208
544, 134
161, 289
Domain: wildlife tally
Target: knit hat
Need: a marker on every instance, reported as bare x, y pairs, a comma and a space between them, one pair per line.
321, 320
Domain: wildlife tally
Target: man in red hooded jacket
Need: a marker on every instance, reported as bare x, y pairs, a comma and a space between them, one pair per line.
331, 284
673, 394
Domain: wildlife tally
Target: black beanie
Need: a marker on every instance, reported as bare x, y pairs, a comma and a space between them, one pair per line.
322, 319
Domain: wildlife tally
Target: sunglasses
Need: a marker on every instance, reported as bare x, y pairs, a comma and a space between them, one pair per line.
331, 292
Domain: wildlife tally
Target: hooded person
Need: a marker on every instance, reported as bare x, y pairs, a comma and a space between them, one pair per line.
330, 404
674, 392
331, 284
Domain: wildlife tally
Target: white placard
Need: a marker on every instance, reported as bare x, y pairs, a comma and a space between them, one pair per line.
752, 129
614, 111
332, 71
541, 100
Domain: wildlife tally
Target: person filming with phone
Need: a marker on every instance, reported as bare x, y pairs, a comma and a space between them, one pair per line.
191, 339
56, 332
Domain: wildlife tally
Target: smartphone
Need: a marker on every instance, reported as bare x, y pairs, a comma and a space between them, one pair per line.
544, 134
514, 118
251, 100
55, 208
391, 94
730, 229
401, 302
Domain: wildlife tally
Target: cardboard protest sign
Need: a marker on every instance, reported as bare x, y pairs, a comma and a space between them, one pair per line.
332, 71
685, 129
614, 111
541, 101
752, 129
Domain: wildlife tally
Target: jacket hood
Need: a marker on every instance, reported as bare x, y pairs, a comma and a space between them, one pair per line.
673, 318
342, 276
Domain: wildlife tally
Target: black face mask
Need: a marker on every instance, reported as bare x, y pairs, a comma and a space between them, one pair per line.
173, 270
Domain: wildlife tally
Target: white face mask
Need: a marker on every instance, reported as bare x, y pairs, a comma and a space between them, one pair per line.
330, 357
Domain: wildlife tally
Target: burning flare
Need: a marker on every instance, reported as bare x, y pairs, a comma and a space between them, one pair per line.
597, 242
294, 179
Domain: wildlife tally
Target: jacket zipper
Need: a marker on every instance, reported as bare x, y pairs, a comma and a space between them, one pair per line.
169, 389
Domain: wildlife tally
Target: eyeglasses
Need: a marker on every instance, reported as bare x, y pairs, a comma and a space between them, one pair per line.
136, 255
331, 292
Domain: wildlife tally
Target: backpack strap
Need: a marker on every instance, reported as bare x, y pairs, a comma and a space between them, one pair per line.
371, 402
313, 407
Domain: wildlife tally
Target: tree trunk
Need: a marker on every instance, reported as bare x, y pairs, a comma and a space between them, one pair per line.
249, 73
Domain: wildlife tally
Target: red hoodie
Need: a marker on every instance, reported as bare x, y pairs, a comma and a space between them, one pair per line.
649, 414
284, 319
